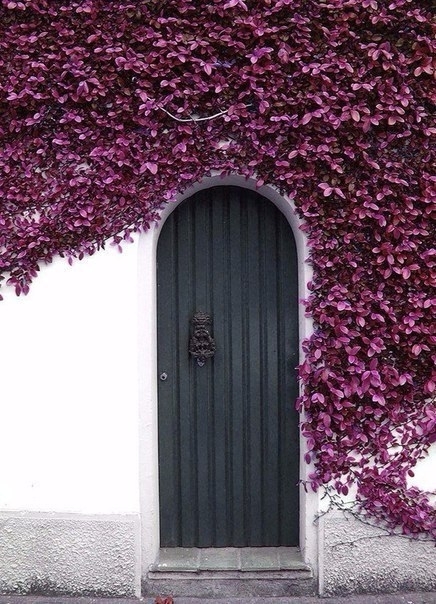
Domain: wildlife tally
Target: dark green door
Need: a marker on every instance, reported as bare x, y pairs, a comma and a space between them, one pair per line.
228, 429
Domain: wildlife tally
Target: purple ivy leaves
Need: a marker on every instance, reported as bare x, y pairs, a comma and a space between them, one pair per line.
329, 102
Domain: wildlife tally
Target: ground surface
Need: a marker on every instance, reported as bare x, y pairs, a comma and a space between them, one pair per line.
399, 598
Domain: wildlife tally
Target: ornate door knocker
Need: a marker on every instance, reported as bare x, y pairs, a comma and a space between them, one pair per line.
201, 344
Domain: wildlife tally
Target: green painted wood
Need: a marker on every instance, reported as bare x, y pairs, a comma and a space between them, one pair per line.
228, 431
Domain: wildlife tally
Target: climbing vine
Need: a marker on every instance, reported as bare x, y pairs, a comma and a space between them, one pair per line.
111, 108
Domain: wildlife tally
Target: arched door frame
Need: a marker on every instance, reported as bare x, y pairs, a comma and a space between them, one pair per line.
147, 371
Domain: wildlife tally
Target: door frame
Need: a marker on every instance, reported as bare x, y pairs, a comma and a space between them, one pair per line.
147, 373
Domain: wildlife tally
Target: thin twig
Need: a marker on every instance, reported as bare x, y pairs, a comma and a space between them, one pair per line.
194, 119
197, 119
351, 508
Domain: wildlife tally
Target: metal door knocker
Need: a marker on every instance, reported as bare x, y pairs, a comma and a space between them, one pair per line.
201, 344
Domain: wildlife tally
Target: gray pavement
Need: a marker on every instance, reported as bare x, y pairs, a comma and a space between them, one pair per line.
398, 598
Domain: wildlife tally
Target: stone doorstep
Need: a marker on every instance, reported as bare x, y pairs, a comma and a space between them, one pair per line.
229, 584
229, 575
230, 572
233, 562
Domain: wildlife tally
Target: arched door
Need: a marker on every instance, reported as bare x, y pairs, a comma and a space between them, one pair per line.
227, 353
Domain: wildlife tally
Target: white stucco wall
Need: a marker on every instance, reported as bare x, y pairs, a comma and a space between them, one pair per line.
359, 558
69, 389
69, 554
425, 472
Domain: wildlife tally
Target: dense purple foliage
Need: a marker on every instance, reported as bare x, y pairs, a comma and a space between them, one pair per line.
331, 101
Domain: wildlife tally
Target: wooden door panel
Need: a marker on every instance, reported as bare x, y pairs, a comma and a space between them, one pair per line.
228, 431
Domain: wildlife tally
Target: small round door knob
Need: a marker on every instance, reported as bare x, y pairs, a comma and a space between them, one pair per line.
163, 376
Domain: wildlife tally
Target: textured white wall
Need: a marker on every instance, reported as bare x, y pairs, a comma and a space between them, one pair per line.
425, 472
359, 558
69, 554
69, 389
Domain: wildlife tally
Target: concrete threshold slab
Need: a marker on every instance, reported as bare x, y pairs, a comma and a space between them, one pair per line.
246, 559
230, 572
225, 587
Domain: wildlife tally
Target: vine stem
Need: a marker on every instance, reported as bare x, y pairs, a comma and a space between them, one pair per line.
197, 119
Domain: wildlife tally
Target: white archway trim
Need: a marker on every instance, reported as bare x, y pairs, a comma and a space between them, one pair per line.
147, 314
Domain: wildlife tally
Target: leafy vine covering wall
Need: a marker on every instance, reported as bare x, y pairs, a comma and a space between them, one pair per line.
109, 108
